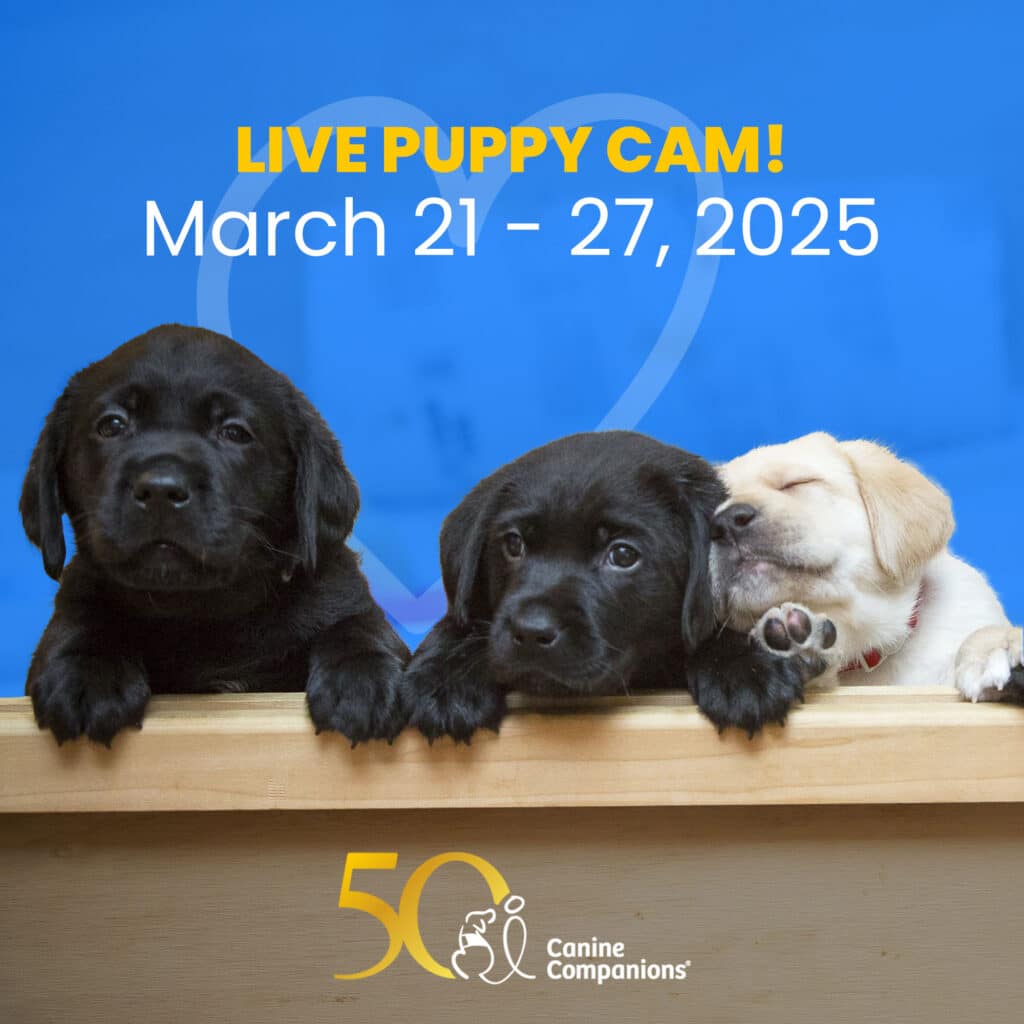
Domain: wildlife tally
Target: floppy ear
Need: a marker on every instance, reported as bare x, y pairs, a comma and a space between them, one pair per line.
326, 496
698, 608
463, 540
41, 505
693, 491
911, 518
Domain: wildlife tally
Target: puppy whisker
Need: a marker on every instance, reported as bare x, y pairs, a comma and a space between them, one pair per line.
263, 541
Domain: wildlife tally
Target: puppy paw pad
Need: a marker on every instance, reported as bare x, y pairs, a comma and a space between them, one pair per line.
793, 629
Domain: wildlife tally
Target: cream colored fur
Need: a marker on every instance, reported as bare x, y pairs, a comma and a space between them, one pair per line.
850, 531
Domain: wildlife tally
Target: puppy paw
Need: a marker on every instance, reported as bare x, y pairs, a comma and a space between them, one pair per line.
764, 697
792, 630
456, 708
361, 698
89, 696
990, 665
459, 715
449, 687
743, 681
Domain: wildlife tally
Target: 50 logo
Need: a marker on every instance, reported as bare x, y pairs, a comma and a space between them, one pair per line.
403, 925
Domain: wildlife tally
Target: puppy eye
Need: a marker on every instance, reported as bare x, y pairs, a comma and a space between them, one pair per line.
798, 483
514, 545
111, 425
623, 556
235, 433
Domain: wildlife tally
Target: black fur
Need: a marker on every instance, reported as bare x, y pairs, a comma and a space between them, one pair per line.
561, 619
229, 573
737, 682
1013, 691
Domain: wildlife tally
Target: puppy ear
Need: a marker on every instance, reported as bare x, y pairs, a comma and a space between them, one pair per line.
463, 542
41, 505
693, 491
698, 607
326, 496
911, 518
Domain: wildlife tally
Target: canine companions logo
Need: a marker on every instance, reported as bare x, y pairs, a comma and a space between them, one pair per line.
473, 935
492, 941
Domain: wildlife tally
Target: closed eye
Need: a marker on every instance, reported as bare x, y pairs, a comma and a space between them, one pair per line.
799, 483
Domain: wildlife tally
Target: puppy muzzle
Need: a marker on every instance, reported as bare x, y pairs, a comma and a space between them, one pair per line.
159, 527
533, 634
541, 648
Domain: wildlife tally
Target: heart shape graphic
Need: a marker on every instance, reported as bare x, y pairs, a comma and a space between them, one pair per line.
417, 614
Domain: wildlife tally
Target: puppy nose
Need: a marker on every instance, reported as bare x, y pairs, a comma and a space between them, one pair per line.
161, 487
732, 521
535, 628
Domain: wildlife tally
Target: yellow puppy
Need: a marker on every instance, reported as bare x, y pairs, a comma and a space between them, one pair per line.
860, 537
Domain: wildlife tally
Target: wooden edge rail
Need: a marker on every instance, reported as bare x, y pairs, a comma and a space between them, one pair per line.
855, 745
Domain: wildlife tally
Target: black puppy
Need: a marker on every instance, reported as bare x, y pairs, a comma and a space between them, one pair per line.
210, 507
582, 568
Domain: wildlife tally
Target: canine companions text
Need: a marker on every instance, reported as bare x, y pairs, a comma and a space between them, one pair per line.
210, 507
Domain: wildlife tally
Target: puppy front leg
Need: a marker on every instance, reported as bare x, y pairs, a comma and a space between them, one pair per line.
990, 665
81, 685
355, 676
449, 686
750, 680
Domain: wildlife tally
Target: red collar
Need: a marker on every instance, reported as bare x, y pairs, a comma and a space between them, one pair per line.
873, 657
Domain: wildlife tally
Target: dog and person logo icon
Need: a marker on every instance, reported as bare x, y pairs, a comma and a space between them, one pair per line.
482, 929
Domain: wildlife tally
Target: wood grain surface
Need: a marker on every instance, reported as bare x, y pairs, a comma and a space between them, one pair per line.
813, 915
249, 752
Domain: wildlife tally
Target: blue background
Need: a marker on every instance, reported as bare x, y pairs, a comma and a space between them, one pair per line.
432, 371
